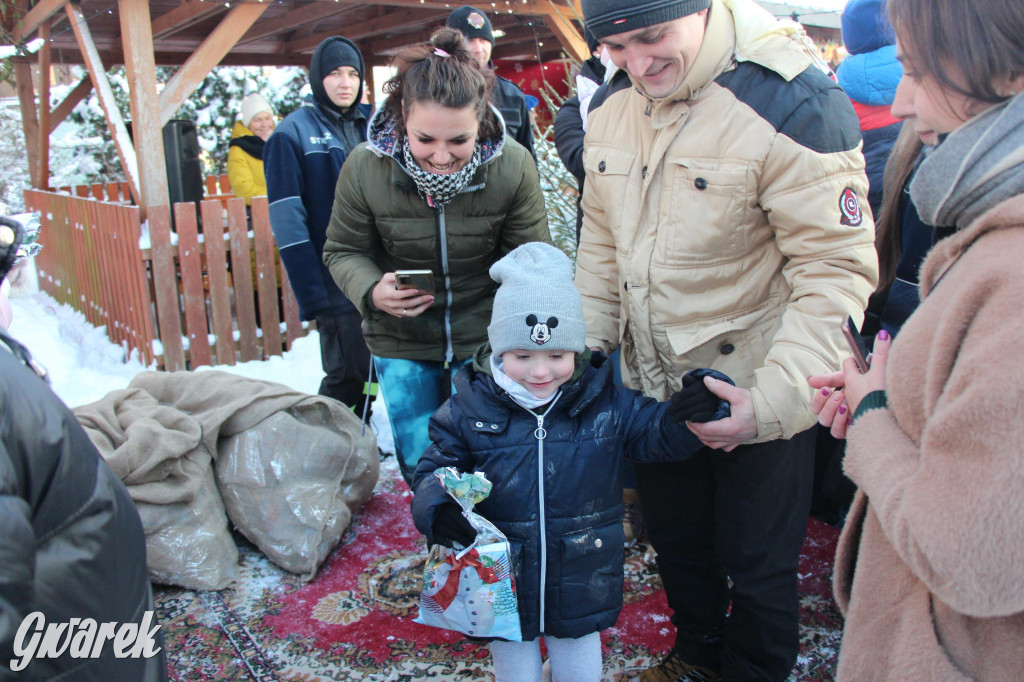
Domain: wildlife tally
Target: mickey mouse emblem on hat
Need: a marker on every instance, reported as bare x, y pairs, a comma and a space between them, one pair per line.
541, 332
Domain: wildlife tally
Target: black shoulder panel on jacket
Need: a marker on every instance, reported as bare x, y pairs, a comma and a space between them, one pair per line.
811, 109
620, 81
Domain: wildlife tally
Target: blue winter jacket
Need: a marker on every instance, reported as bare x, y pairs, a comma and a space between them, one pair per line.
871, 78
302, 160
558, 498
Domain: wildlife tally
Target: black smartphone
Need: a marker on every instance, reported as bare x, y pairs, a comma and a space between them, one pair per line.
857, 345
421, 280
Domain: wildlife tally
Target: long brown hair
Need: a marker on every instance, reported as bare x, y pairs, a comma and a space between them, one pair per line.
889, 226
982, 39
441, 71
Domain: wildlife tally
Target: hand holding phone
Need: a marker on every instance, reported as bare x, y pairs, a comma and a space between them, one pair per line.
857, 345
421, 280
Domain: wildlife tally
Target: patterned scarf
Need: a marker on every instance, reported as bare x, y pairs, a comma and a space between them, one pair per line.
978, 165
439, 190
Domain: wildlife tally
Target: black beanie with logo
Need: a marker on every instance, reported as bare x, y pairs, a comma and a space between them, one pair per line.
472, 23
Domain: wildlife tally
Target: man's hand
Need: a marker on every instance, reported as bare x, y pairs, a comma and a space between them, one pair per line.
741, 426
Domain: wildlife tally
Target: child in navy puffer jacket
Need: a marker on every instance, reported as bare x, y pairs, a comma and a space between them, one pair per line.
538, 413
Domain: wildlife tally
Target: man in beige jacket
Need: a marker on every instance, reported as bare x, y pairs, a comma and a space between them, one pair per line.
723, 229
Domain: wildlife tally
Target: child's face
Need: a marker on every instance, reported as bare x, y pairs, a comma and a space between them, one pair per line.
540, 372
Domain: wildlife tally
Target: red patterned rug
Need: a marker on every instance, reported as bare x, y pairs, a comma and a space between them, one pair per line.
354, 620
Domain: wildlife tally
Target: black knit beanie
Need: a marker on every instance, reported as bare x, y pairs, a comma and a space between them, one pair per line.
472, 22
610, 17
329, 55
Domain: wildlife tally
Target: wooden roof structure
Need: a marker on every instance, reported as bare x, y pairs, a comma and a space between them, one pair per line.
197, 35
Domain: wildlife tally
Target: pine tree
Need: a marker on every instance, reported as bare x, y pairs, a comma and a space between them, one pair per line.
88, 155
557, 183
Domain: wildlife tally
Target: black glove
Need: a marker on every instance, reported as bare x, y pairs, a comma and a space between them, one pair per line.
695, 402
450, 524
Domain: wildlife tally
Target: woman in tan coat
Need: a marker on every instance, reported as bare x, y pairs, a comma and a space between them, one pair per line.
930, 568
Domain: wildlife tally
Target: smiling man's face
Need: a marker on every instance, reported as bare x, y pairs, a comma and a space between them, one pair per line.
658, 57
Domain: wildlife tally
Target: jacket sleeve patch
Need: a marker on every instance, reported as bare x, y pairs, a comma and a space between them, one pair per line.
849, 207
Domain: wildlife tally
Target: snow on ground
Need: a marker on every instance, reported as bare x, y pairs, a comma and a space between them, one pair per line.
84, 365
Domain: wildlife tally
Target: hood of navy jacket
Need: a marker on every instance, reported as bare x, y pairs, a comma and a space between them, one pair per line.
872, 77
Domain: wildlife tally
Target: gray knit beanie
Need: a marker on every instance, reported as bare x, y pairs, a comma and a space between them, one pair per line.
537, 305
610, 17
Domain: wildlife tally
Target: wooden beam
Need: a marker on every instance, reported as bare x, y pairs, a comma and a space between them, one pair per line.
77, 94
385, 48
393, 21
43, 10
568, 35
534, 8
184, 15
29, 120
44, 107
147, 131
114, 58
105, 94
232, 27
306, 14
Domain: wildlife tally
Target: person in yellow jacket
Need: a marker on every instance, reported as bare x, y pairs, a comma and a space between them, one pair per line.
245, 155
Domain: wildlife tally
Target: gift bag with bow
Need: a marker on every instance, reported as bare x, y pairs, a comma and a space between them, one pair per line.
471, 590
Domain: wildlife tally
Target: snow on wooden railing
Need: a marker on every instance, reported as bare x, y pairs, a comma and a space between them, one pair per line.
214, 187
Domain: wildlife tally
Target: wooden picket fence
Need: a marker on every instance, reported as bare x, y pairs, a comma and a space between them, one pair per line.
215, 186
215, 275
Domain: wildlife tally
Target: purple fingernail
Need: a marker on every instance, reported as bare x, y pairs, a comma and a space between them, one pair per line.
883, 335
824, 391
842, 409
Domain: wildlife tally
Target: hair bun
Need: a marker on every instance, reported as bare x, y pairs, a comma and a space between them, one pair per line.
451, 41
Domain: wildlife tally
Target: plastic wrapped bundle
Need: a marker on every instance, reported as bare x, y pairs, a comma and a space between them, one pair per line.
291, 482
188, 543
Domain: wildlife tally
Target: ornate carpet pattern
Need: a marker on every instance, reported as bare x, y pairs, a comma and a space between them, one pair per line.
353, 621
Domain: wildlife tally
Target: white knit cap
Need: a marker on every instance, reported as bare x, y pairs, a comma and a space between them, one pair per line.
253, 104
537, 305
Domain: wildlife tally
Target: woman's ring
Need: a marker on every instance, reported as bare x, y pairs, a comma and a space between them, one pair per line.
405, 312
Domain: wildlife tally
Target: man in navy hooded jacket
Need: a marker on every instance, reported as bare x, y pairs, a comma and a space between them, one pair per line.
302, 161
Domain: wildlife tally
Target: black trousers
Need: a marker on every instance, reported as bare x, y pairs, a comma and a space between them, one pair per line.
728, 528
345, 359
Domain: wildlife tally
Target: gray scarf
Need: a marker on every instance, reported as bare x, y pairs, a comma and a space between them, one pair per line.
977, 166
439, 190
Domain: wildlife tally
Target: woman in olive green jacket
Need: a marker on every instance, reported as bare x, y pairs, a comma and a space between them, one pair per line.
437, 187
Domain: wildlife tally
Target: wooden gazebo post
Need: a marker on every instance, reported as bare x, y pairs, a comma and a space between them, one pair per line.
147, 133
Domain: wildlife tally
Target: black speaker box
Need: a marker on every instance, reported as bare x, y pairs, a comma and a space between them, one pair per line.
181, 153
184, 170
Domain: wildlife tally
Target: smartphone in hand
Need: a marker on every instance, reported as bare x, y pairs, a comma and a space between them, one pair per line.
421, 280
857, 345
